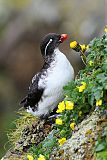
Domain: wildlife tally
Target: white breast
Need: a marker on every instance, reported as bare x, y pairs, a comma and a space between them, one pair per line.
60, 72
58, 75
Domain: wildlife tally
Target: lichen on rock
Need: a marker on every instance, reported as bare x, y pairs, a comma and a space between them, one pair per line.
80, 145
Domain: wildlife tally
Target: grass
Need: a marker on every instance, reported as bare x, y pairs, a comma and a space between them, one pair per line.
25, 119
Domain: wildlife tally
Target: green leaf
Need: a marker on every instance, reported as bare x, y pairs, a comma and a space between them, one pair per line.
100, 147
104, 67
102, 77
50, 142
91, 99
101, 155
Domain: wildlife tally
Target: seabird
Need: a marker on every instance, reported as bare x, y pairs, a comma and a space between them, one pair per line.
46, 88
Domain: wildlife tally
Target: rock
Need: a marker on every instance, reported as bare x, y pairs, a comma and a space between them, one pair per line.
80, 145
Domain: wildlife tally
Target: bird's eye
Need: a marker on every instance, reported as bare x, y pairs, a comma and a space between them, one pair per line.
50, 40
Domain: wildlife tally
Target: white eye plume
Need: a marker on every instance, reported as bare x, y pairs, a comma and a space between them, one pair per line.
47, 45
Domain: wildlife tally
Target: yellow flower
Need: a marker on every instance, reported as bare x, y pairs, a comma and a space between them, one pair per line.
30, 157
72, 125
83, 47
61, 107
69, 105
62, 141
58, 121
87, 47
41, 157
73, 44
105, 29
99, 102
84, 84
80, 113
82, 87
90, 63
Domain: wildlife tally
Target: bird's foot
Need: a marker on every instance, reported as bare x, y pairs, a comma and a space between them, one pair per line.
50, 118
54, 116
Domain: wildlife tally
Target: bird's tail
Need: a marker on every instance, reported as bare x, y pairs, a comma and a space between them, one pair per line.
24, 102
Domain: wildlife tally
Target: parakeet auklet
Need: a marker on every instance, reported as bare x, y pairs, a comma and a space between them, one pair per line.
46, 88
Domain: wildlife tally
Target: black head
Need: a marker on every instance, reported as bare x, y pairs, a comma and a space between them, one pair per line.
50, 42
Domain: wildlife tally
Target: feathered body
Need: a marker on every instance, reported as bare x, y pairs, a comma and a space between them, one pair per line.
46, 88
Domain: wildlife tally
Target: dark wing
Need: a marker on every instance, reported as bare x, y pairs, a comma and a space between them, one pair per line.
34, 94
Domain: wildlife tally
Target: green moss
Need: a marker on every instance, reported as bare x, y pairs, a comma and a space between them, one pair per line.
25, 119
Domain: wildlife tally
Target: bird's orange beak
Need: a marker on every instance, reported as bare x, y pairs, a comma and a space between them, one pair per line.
63, 37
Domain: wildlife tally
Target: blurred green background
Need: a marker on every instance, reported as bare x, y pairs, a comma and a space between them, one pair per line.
22, 25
